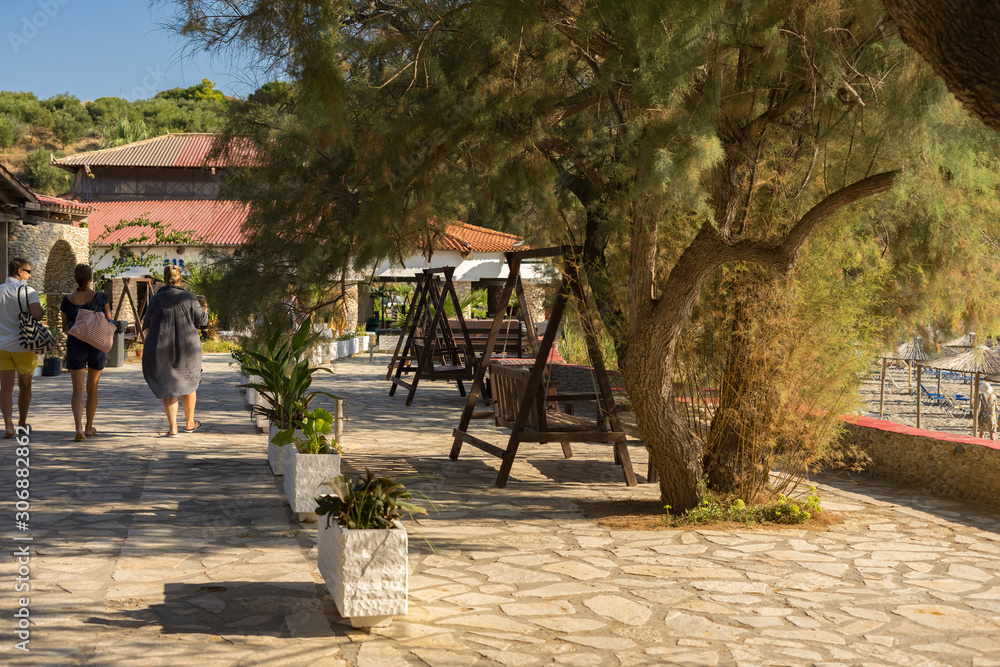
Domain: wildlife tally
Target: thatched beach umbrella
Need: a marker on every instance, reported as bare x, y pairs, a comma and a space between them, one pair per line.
958, 346
977, 361
966, 341
913, 351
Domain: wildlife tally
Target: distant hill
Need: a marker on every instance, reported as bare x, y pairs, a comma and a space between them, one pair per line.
32, 130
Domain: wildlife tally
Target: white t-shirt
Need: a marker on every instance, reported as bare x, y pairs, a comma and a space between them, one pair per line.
10, 312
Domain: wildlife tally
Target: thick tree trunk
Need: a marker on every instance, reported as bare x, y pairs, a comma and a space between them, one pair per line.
675, 451
958, 38
657, 320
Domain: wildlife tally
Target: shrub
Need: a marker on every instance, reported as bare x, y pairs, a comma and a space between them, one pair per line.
715, 508
367, 503
105, 109
41, 176
315, 427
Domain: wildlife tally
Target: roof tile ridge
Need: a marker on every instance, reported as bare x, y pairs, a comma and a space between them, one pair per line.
489, 230
113, 148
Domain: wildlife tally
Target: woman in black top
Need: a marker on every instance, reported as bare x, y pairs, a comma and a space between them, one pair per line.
80, 355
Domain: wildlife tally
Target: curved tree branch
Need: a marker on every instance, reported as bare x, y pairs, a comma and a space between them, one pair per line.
784, 255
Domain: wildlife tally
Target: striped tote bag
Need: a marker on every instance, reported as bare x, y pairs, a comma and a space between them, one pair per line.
32, 334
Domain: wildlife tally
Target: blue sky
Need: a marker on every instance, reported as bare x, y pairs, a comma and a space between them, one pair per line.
103, 48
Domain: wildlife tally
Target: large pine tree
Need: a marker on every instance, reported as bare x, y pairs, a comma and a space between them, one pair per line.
671, 138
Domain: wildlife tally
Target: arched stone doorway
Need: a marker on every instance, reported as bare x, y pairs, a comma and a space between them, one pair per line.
58, 282
54, 249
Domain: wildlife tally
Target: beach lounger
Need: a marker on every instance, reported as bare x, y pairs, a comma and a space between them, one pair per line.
892, 380
930, 395
956, 405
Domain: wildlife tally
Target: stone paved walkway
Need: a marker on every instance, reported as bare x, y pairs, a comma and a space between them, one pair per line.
181, 551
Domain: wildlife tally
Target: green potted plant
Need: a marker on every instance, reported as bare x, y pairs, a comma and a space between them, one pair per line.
282, 388
362, 547
311, 459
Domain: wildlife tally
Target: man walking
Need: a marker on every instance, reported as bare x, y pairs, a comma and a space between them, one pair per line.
13, 358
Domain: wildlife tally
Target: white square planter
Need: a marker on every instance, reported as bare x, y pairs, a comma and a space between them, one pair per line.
341, 348
366, 571
306, 476
276, 455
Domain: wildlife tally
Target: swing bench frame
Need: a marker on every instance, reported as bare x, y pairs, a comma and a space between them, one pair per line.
520, 401
430, 351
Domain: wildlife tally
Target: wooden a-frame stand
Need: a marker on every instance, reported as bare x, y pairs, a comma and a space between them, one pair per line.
607, 427
126, 294
397, 356
430, 350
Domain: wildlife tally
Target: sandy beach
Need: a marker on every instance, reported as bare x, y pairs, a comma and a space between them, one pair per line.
900, 405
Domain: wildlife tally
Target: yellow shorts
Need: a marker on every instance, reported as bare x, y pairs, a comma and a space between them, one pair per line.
22, 362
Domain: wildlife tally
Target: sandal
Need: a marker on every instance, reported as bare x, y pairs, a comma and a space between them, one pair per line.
196, 427
170, 435
80, 437
93, 432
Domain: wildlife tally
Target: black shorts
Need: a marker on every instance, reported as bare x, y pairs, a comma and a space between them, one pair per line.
80, 355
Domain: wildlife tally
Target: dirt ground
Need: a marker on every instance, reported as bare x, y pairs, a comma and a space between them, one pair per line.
649, 515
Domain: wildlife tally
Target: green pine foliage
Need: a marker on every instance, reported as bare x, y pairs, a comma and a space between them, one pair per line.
677, 142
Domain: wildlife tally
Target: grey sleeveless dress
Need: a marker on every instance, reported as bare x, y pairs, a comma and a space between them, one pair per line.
171, 354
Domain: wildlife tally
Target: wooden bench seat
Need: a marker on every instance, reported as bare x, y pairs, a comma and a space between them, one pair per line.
509, 342
544, 422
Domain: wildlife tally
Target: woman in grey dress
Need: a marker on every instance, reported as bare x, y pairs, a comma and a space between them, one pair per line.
171, 360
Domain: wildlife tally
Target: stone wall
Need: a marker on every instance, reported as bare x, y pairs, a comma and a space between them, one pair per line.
952, 465
535, 295
54, 249
463, 288
351, 308
36, 242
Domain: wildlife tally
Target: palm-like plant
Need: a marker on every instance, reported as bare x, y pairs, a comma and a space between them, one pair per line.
285, 375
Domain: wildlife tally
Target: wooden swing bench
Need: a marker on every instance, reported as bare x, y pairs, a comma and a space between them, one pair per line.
437, 363
509, 342
521, 400
545, 422
431, 350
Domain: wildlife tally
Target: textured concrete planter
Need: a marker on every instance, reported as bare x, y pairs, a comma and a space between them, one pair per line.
365, 342
276, 455
340, 348
306, 476
250, 397
366, 571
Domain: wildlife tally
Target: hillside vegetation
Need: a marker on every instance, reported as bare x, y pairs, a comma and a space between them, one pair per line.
33, 130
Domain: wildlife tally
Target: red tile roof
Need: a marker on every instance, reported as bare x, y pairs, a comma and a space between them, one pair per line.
213, 222
59, 202
464, 237
220, 223
169, 150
